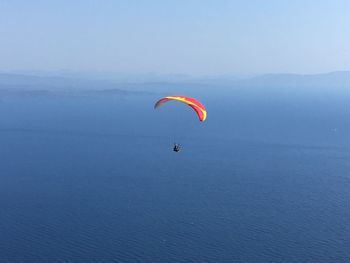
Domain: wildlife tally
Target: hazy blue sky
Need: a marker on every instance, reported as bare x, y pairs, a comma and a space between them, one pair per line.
195, 37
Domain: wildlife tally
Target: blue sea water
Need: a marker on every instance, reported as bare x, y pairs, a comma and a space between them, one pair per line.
93, 178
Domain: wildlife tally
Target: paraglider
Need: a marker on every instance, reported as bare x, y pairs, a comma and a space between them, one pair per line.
196, 105
177, 147
193, 103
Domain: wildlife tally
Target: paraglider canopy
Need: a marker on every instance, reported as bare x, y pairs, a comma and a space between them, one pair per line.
193, 103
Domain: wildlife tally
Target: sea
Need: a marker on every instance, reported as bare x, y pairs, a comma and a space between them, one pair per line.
93, 178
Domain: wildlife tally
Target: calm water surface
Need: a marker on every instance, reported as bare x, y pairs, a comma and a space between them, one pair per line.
94, 179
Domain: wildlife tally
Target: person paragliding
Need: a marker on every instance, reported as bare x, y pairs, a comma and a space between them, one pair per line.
177, 147
193, 103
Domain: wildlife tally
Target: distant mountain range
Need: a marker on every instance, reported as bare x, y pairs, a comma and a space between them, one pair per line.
22, 84
11, 82
332, 79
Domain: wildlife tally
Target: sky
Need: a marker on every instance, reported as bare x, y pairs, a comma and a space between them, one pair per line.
193, 37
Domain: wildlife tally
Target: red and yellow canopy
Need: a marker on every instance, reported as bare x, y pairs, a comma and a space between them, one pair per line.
193, 103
